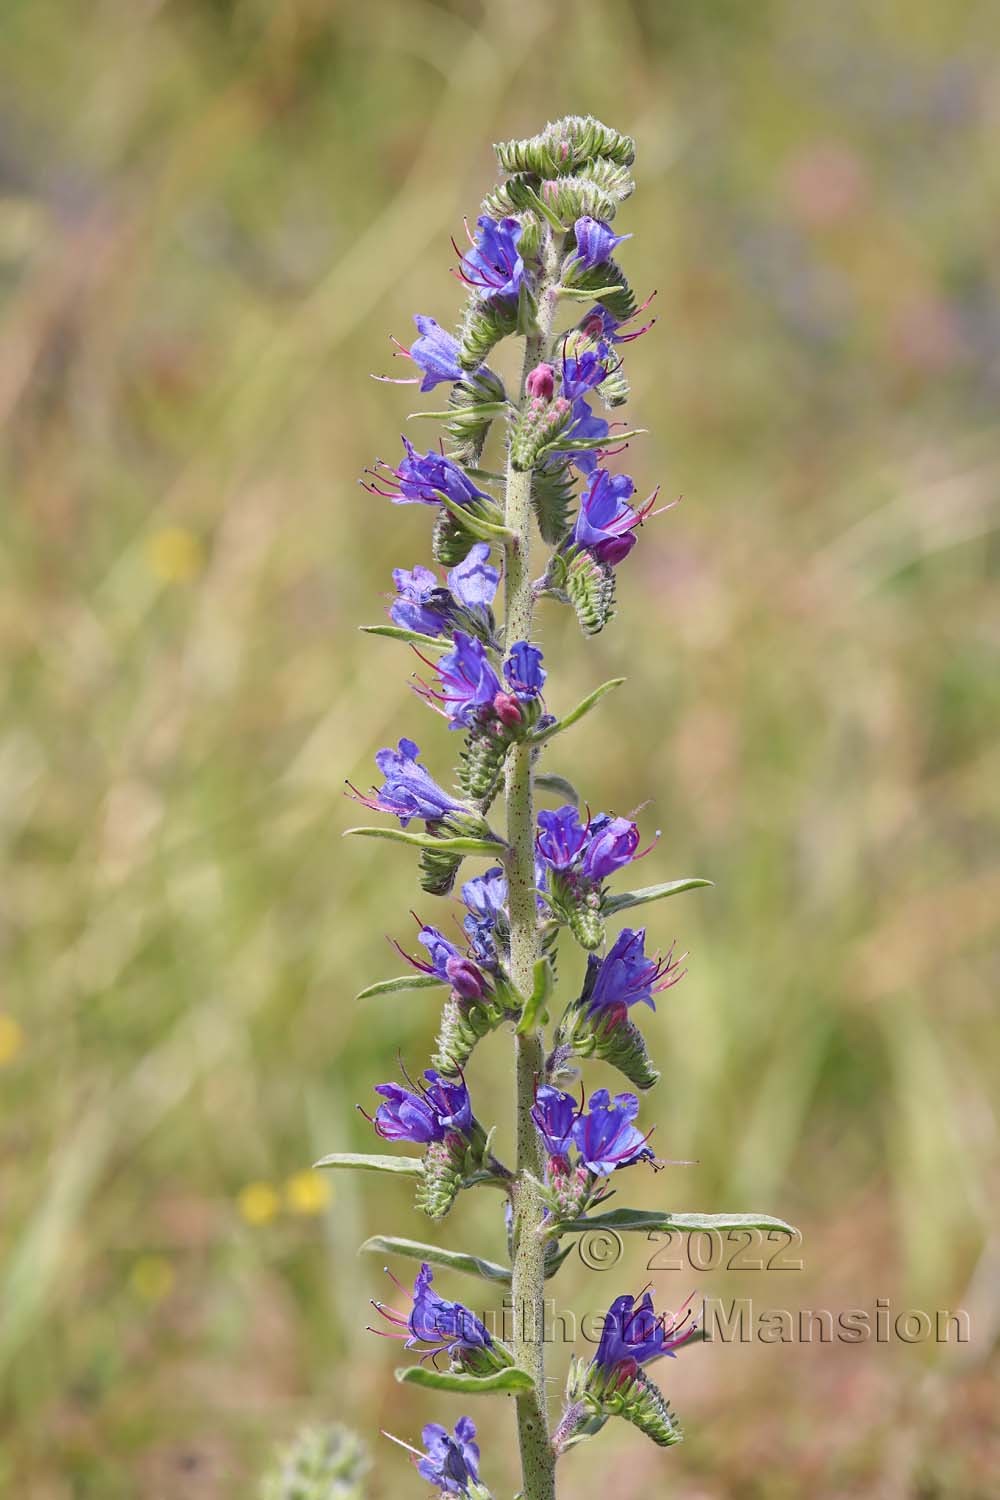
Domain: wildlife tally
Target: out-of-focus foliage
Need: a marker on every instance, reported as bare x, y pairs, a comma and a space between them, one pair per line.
211, 217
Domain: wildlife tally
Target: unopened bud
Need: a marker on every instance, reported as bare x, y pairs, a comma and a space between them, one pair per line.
508, 710
541, 381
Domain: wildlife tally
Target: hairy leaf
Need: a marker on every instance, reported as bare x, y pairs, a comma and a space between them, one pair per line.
436, 1255
626, 899
403, 1166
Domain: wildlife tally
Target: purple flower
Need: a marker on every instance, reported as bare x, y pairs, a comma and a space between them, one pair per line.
595, 242
582, 372
611, 844
406, 1116
436, 352
606, 522
540, 382
633, 1335
594, 850
429, 1115
469, 684
409, 790
626, 977
434, 1321
450, 1102
474, 581
492, 266
450, 965
421, 479
605, 1136
555, 1115
524, 671
486, 895
421, 603
451, 1464
601, 324
562, 838
584, 426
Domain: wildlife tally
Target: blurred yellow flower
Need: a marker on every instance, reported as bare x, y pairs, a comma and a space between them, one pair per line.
175, 555
11, 1039
258, 1202
151, 1277
307, 1193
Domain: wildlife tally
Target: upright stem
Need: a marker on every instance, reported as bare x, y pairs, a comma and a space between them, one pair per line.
528, 1288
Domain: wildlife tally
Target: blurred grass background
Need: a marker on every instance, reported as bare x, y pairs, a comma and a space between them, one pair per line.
212, 213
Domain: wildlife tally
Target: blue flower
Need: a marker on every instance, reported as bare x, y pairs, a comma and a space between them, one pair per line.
450, 1101
469, 684
424, 605
626, 977
474, 581
421, 479
486, 895
406, 1116
593, 850
582, 373
562, 838
606, 523
439, 1108
633, 1335
436, 352
421, 603
524, 671
433, 1320
595, 242
555, 1115
584, 426
601, 324
450, 965
605, 1136
409, 790
492, 266
450, 1463
611, 844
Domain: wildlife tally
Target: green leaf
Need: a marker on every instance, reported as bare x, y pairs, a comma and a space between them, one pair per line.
577, 713
435, 1255
585, 445
397, 633
483, 408
535, 1011
404, 982
511, 1380
353, 1161
428, 841
548, 781
475, 525
585, 294
642, 1220
627, 899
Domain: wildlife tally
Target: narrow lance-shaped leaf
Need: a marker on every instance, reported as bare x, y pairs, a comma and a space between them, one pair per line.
485, 530
535, 1012
404, 982
353, 1161
397, 633
503, 1382
428, 841
548, 781
577, 713
436, 1255
641, 1220
626, 899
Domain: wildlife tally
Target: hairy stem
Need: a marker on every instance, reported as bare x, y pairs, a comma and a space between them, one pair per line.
537, 1457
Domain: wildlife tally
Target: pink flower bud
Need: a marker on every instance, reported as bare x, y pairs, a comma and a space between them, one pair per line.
541, 382
507, 708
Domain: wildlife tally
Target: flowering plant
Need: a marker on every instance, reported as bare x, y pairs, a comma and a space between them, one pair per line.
543, 244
